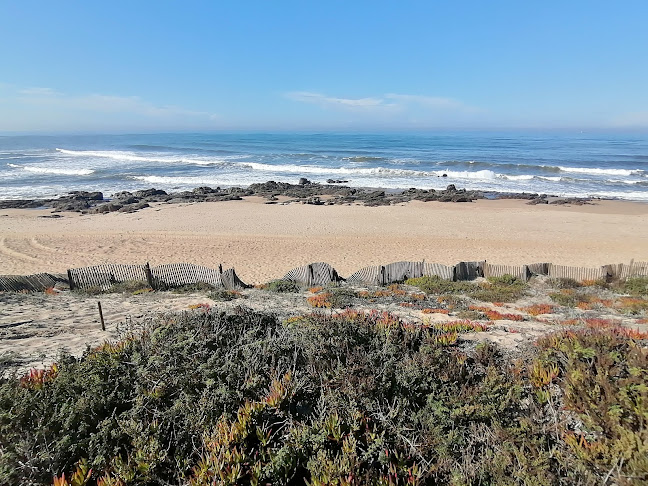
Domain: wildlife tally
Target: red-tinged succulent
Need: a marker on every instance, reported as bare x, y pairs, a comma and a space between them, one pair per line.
36, 378
539, 309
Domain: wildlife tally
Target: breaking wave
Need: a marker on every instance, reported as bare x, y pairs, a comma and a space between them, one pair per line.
52, 170
595, 171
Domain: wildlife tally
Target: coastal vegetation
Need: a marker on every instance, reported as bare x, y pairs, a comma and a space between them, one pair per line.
348, 397
411, 383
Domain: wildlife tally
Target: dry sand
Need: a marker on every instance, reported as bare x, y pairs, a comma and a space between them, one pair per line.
262, 242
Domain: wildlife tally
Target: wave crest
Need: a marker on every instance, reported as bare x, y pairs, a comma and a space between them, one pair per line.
52, 170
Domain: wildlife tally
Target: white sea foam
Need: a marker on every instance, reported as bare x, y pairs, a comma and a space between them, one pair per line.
595, 171
52, 170
111, 154
628, 195
375, 171
159, 158
624, 181
516, 177
170, 180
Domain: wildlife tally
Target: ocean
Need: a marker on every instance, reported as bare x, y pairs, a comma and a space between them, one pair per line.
575, 165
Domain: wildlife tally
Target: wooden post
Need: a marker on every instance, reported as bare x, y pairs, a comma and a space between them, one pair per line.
103, 324
149, 277
70, 281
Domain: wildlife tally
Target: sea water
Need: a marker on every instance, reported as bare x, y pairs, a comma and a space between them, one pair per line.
562, 164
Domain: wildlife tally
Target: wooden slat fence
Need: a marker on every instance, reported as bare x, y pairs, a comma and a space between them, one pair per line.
104, 276
313, 274
31, 283
398, 272
368, 276
622, 271
436, 269
401, 271
469, 270
579, 274
639, 269
539, 268
319, 273
519, 271
162, 276
619, 271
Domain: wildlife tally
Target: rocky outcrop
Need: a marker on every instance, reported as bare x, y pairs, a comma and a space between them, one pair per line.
306, 192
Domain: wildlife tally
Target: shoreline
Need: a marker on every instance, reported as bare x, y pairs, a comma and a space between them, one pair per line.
264, 241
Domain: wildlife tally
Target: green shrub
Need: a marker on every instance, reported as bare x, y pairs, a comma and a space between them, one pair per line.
224, 295
506, 288
129, 287
505, 280
282, 286
437, 285
472, 315
564, 283
570, 297
636, 286
349, 398
341, 297
191, 288
497, 289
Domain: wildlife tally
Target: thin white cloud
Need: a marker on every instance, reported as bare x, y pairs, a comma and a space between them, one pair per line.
387, 102
101, 103
328, 101
37, 92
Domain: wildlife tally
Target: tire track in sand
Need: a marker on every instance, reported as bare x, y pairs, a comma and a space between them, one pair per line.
10, 252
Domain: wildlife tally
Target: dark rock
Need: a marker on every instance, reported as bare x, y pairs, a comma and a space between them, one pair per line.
105, 208
377, 202
85, 196
451, 188
204, 190
131, 208
149, 192
335, 181
20, 203
303, 181
127, 199
538, 200
570, 200
70, 205
314, 200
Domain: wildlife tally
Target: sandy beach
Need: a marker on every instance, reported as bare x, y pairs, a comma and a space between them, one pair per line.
262, 242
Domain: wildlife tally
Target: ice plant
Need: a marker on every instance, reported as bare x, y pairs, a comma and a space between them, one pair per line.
36, 378
322, 301
435, 311
494, 315
461, 326
538, 309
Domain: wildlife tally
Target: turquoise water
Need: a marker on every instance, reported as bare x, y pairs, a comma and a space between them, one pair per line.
598, 165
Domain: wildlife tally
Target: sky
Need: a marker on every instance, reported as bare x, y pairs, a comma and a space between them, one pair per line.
124, 66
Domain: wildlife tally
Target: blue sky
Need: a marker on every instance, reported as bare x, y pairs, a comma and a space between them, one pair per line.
340, 65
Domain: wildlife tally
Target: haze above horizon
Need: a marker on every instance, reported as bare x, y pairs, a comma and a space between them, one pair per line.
164, 66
